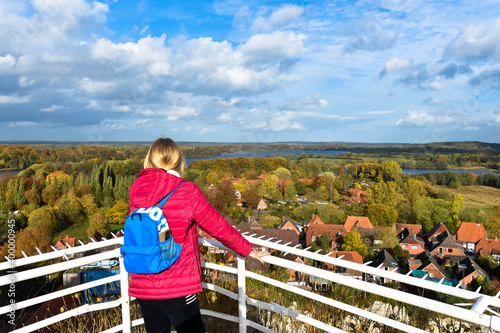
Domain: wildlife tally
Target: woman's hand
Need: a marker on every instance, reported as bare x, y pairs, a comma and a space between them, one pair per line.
257, 255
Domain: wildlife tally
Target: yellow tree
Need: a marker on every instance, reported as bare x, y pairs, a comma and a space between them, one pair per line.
98, 222
118, 213
354, 242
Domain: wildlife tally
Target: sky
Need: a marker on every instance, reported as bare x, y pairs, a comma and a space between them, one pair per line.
411, 71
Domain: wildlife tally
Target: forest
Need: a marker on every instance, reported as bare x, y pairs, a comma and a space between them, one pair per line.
75, 191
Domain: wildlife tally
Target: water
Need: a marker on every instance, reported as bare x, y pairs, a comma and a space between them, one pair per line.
12, 172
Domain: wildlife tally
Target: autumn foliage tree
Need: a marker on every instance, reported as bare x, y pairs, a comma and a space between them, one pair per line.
29, 239
98, 222
354, 242
118, 213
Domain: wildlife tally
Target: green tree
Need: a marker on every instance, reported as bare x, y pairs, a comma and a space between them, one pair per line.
325, 243
46, 217
73, 208
290, 192
282, 173
391, 171
331, 214
400, 256
382, 215
387, 237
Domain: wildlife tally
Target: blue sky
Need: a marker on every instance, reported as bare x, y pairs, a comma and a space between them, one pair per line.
250, 71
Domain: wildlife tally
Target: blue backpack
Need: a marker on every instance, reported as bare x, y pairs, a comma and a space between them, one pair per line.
142, 251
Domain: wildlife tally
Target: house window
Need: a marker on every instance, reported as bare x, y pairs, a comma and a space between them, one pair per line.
314, 238
405, 246
341, 230
450, 250
413, 247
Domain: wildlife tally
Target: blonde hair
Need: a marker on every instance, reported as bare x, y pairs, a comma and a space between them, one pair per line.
165, 154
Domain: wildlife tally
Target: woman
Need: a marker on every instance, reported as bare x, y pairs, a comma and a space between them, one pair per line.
169, 297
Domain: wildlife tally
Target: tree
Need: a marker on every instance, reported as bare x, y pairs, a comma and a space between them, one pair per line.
89, 204
282, 173
29, 239
290, 192
98, 222
331, 214
391, 171
354, 242
382, 215
300, 187
51, 193
46, 217
251, 197
118, 213
400, 256
270, 183
387, 237
325, 242
73, 208
222, 197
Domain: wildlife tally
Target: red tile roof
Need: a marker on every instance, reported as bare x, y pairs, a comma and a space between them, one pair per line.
357, 221
315, 220
488, 246
415, 229
471, 232
332, 230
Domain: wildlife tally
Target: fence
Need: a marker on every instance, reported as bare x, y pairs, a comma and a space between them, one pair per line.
478, 309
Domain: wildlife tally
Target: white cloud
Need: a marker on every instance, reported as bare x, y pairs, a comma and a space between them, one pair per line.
23, 124
395, 65
281, 17
472, 128
25, 82
477, 42
416, 118
268, 47
94, 105
14, 99
224, 117
177, 112
142, 122
379, 113
92, 86
445, 120
7, 62
143, 31
52, 108
121, 108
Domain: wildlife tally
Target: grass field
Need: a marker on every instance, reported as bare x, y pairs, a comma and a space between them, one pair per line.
477, 196
79, 231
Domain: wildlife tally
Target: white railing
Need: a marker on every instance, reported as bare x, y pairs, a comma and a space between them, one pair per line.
479, 310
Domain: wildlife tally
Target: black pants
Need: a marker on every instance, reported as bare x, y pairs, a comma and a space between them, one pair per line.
158, 319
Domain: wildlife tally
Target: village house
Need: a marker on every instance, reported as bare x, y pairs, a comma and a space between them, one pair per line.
466, 271
384, 261
427, 264
415, 229
261, 205
445, 248
438, 229
357, 195
411, 243
315, 220
489, 247
352, 256
65, 242
287, 224
357, 222
468, 234
336, 232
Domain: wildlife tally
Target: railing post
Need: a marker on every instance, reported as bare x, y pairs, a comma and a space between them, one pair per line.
242, 296
125, 298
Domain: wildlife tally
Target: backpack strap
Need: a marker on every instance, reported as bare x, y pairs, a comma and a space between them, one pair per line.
162, 202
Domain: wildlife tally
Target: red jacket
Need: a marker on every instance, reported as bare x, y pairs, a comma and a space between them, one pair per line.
184, 210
